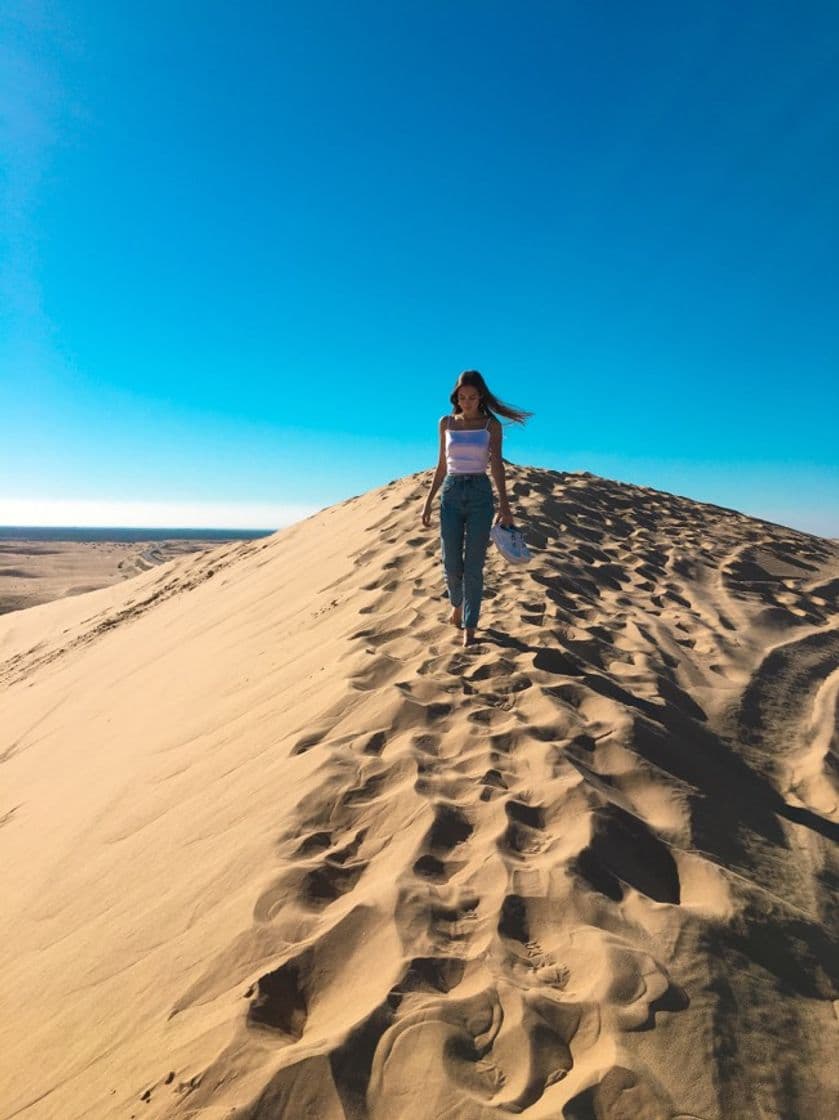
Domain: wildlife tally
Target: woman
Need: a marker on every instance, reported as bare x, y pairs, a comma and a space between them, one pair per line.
470, 440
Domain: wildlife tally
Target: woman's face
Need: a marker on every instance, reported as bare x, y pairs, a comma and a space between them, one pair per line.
468, 398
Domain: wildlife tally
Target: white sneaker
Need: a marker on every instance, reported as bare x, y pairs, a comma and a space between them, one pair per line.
509, 540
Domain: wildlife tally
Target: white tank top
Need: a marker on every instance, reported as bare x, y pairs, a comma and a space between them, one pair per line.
467, 449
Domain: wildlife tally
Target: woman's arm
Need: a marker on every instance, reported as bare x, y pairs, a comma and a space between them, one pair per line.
496, 466
439, 473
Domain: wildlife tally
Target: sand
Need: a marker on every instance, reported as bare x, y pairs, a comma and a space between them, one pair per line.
274, 845
38, 571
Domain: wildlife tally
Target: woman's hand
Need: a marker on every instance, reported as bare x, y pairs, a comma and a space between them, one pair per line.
426, 514
504, 517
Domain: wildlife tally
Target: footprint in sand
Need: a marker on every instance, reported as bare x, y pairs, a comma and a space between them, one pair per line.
525, 825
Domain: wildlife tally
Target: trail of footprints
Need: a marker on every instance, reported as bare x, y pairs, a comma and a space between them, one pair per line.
440, 911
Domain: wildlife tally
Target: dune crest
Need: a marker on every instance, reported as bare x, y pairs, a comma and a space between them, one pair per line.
274, 845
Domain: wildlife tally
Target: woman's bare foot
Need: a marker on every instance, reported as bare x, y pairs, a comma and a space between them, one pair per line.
468, 637
456, 617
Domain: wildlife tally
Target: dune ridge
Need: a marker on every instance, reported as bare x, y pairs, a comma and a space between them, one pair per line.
274, 845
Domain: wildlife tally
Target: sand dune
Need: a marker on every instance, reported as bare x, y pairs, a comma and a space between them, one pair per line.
275, 845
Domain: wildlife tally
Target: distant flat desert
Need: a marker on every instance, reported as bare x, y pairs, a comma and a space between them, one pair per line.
38, 571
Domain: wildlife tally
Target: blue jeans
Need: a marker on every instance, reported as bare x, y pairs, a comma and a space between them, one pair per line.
466, 512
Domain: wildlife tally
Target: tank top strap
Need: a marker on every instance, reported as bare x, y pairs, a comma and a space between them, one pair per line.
449, 427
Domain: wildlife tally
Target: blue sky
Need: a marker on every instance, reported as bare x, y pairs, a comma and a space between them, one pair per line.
246, 249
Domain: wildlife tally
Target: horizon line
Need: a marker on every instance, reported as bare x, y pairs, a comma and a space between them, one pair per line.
151, 528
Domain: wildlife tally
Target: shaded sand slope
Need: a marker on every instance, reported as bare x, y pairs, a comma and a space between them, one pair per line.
274, 845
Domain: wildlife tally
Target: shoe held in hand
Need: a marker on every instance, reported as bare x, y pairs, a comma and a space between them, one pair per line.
509, 540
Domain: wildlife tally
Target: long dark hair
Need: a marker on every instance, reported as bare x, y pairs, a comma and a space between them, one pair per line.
490, 405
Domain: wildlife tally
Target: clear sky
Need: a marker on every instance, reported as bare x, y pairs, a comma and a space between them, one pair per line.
245, 249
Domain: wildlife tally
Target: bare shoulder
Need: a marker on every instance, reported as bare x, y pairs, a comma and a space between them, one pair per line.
444, 419
494, 424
